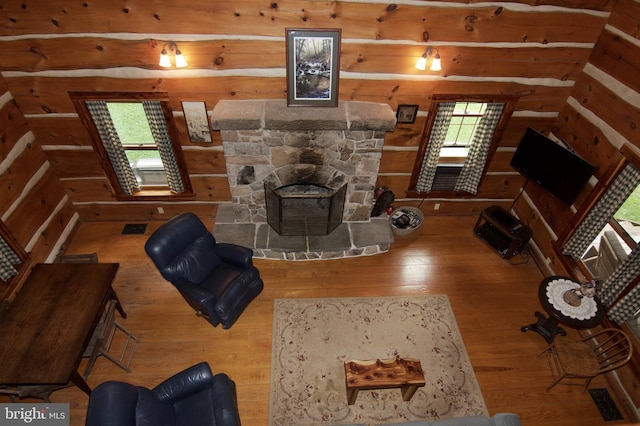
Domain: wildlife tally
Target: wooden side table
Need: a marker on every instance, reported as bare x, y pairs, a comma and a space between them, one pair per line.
548, 327
405, 374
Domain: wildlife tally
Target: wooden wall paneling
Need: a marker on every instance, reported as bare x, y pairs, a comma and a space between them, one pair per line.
52, 129
626, 17
543, 239
35, 208
13, 126
607, 106
75, 163
587, 139
18, 174
211, 188
404, 134
562, 63
48, 240
358, 20
41, 54
499, 186
619, 58
132, 211
205, 161
554, 212
397, 161
518, 124
37, 95
500, 162
88, 190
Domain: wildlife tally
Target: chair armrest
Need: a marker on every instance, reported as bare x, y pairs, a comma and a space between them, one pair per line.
235, 254
225, 404
184, 384
113, 404
192, 291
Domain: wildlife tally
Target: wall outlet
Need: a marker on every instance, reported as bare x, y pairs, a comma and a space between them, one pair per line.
160, 210
436, 206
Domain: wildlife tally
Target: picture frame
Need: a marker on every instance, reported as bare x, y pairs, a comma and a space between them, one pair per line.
313, 67
407, 113
195, 115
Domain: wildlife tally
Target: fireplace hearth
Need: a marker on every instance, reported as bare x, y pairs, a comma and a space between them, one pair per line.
271, 151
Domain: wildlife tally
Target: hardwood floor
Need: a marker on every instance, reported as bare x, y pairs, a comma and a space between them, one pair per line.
491, 298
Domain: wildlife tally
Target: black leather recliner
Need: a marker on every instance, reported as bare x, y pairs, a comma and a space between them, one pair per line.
218, 280
193, 397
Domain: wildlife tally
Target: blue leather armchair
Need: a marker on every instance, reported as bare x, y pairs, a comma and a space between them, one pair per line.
193, 397
218, 280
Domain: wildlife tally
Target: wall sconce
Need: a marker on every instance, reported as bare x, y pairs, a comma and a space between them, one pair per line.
436, 63
165, 60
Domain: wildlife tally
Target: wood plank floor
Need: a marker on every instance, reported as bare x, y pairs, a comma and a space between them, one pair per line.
491, 298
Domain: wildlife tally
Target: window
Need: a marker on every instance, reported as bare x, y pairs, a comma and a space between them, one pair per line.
606, 241
136, 140
459, 137
13, 262
464, 121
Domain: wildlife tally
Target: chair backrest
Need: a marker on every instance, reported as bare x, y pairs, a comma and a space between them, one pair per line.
183, 248
611, 347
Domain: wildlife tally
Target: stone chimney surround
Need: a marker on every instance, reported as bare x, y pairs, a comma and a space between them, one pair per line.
268, 141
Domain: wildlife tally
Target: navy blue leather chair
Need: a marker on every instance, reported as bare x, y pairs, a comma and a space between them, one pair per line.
218, 280
193, 397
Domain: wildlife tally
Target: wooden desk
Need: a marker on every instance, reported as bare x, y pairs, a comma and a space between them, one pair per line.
44, 330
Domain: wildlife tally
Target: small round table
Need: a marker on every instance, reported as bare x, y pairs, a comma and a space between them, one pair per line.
549, 293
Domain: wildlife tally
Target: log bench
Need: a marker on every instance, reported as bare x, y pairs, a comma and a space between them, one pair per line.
405, 374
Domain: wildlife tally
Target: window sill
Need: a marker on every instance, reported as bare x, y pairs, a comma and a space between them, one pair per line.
156, 194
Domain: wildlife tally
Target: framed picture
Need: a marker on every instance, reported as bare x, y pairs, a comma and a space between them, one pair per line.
313, 67
407, 113
195, 114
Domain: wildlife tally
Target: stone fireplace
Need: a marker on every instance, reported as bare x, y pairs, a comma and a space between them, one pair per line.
269, 145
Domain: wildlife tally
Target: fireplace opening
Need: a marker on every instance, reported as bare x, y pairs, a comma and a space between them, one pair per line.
304, 209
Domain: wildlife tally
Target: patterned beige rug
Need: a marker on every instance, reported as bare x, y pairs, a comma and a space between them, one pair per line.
313, 337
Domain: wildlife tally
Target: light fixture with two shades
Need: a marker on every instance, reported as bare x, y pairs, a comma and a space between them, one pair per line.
436, 62
165, 57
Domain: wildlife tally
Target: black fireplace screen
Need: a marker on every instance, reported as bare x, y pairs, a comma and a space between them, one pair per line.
304, 209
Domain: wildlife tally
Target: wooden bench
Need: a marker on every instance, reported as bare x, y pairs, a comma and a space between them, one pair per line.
405, 374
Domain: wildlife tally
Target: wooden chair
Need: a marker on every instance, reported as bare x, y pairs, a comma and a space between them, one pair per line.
102, 337
571, 360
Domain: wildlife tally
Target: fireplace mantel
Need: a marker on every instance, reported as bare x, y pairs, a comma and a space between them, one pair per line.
276, 115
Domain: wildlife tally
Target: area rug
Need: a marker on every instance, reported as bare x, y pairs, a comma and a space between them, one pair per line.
312, 338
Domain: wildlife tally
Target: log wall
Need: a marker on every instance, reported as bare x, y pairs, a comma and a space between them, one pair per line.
237, 50
34, 204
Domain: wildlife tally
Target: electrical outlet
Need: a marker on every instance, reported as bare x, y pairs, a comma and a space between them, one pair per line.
436, 206
160, 210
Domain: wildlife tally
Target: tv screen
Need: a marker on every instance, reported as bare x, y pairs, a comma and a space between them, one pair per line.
556, 169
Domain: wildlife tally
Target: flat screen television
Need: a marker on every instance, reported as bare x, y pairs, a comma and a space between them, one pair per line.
556, 169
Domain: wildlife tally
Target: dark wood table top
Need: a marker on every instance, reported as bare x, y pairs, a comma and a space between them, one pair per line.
566, 320
45, 328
